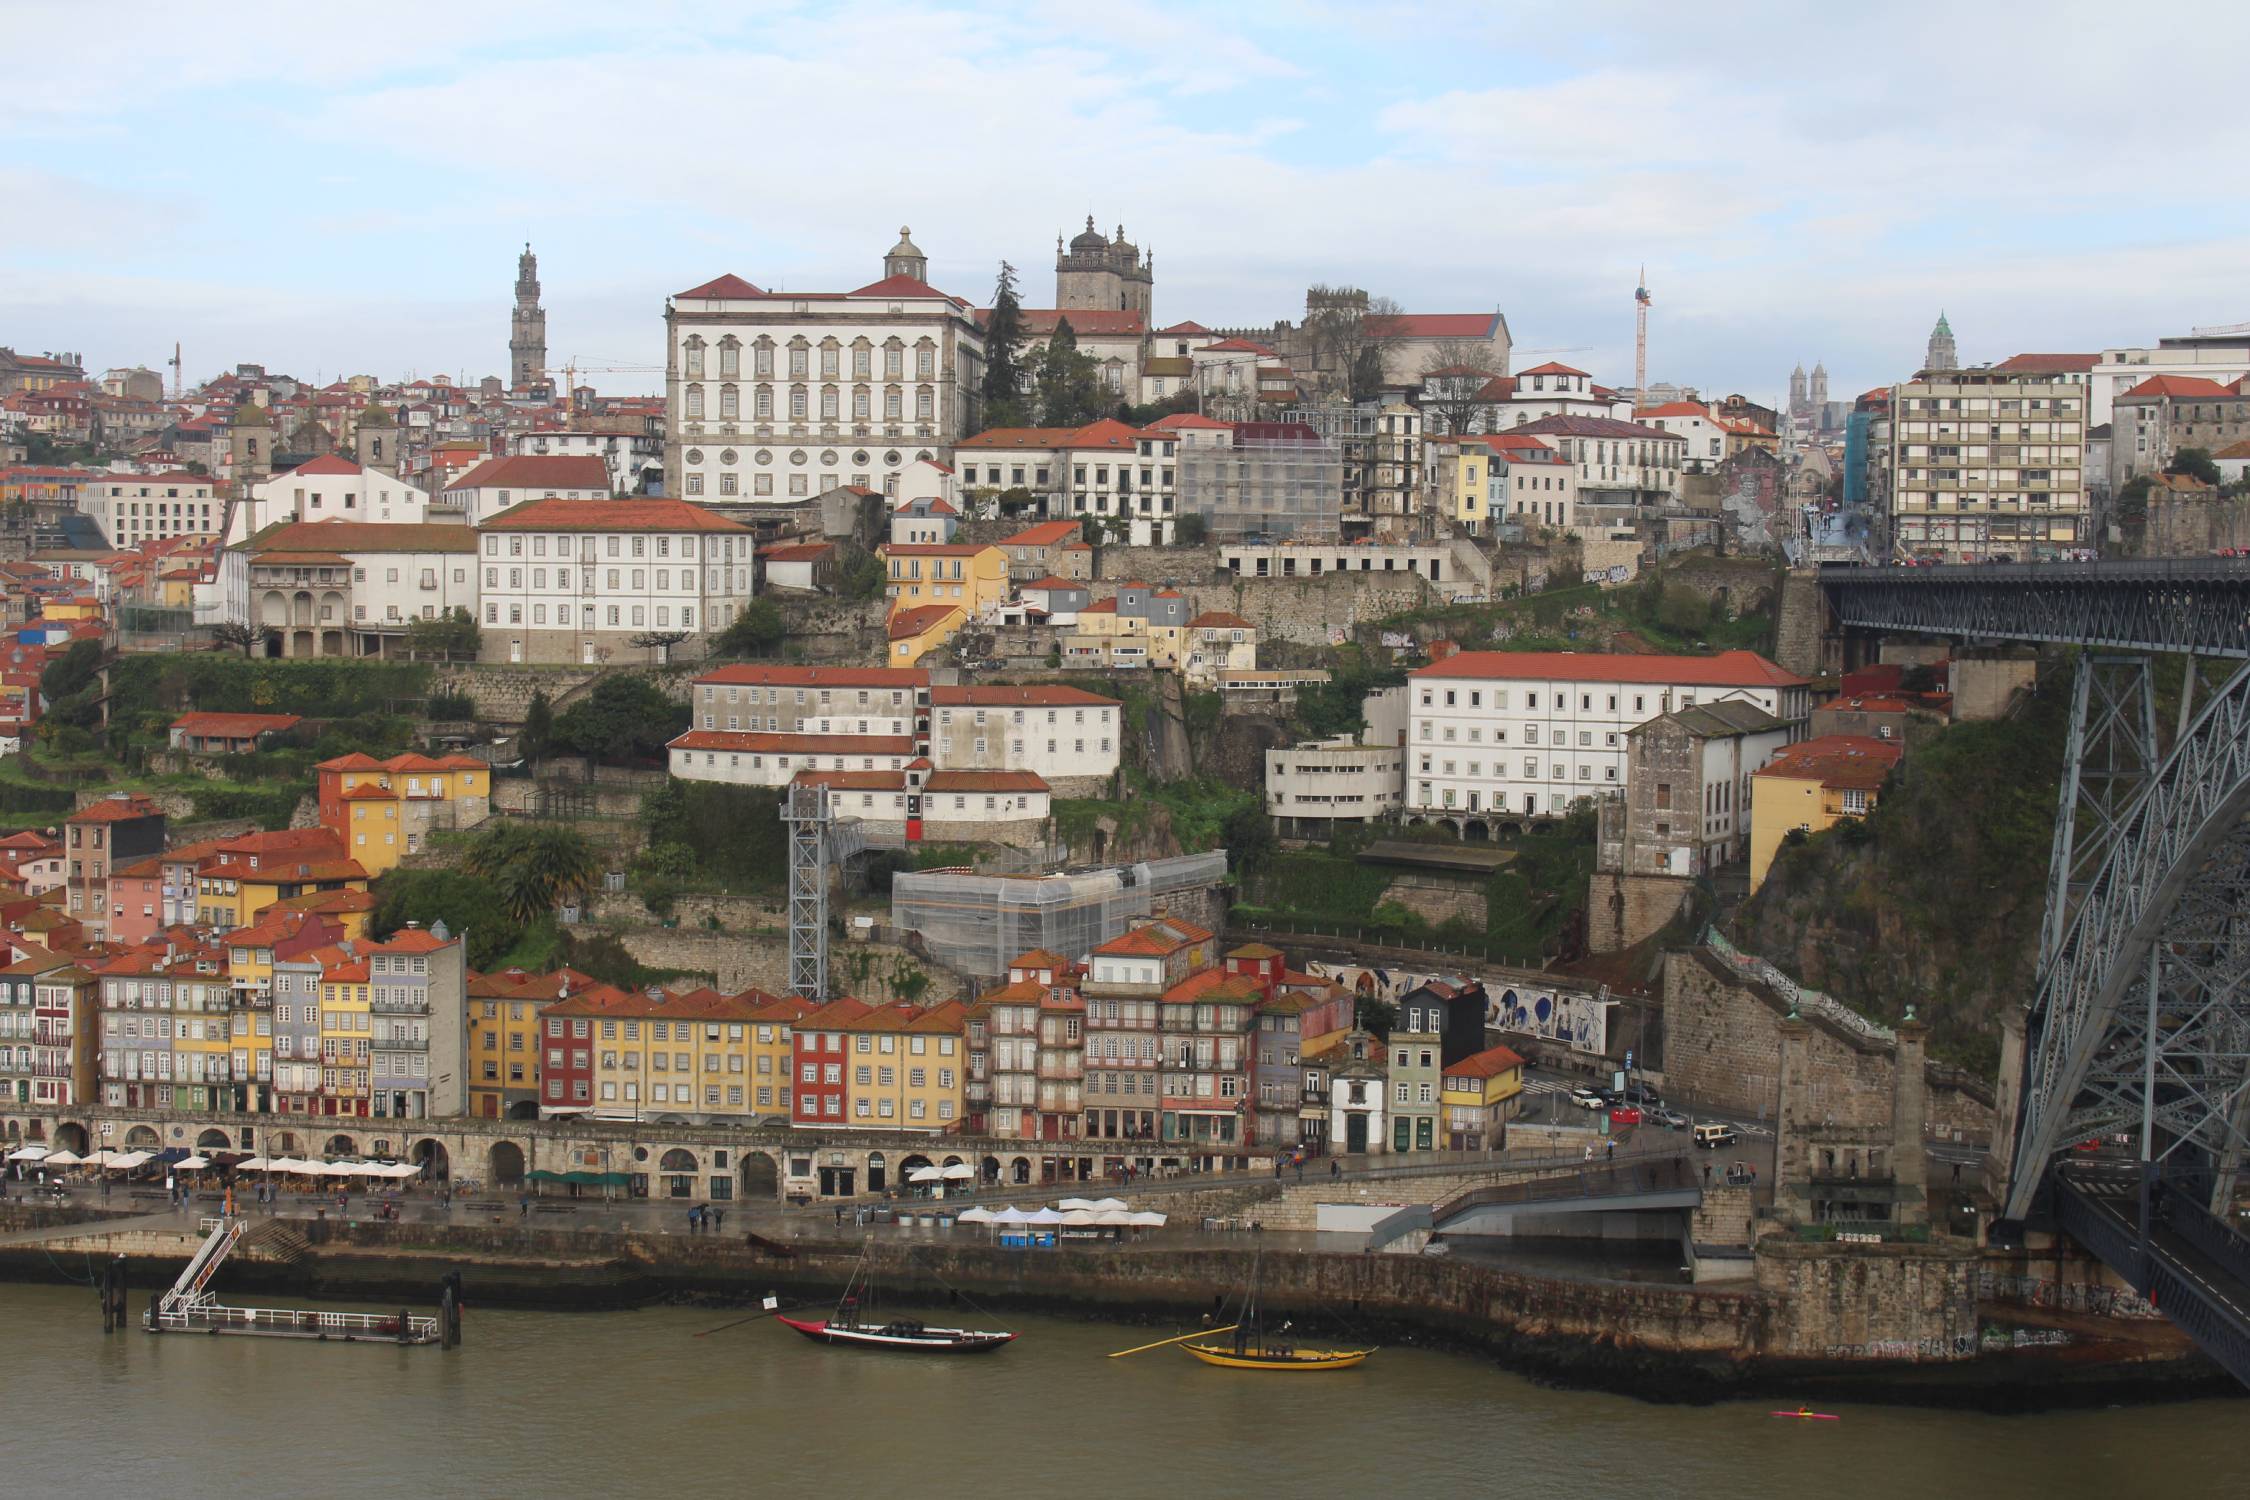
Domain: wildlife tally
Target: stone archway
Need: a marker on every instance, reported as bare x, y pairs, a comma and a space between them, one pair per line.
12, 1129
988, 1170
71, 1136
876, 1177
908, 1166
506, 1163
1019, 1170
1476, 831
340, 1145
677, 1167
143, 1138
285, 1143
434, 1160
524, 1109
761, 1176
214, 1139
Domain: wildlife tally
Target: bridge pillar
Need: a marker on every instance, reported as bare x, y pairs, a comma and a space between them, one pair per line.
1792, 1108
1910, 1110
2006, 1104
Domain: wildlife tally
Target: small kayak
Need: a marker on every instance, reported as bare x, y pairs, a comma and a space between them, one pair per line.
1804, 1415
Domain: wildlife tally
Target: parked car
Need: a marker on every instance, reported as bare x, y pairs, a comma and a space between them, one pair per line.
1669, 1118
1643, 1095
1712, 1137
1586, 1098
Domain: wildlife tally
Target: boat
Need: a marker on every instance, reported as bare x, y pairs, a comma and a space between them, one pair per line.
849, 1326
1807, 1414
1253, 1348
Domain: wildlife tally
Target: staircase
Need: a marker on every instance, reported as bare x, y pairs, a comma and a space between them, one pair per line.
277, 1243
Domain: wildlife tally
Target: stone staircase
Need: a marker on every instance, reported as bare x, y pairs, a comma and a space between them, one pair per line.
277, 1242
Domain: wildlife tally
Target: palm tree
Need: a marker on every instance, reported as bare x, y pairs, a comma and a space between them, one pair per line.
534, 868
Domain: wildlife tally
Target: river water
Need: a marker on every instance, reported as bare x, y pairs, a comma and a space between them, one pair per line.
633, 1403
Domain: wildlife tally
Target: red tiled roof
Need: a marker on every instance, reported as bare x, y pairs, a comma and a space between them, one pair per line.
1846, 761
234, 726
2050, 364
2180, 385
537, 471
327, 463
1486, 1064
1099, 322
116, 810
1190, 421
1238, 346
802, 552
907, 623
901, 286
1727, 669
729, 285
610, 515
1600, 427
365, 536
1219, 619
1434, 326
1045, 534
1050, 582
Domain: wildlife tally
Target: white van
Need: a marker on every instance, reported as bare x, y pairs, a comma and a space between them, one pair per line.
1714, 1136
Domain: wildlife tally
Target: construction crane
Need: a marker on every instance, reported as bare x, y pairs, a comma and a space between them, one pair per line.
573, 367
1640, 339
174, 361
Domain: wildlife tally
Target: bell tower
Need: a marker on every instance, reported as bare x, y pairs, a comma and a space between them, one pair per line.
527, 326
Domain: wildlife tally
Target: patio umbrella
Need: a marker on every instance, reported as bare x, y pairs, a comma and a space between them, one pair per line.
1043, 1216
1080, 1217
1109, 1204
193, 1163
1069, 1204
1147, 1220
254, 1164
1011, 1215
1113, 1218
924, 1174
974, 1216
128, 1159
28, 1153
65, 1159
960, 1171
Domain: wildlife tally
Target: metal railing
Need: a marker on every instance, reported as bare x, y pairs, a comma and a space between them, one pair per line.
283, 1320
1827, 1007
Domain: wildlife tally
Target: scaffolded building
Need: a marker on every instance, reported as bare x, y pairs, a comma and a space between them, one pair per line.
977, 923
1277, 480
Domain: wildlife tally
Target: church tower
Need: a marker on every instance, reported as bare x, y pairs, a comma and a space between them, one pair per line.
1100, 273
906, 259
1942, 355
527, 326
1797, 391
1819, 394
375, 440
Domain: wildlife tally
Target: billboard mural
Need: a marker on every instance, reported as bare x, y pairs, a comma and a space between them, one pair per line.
1574, 1017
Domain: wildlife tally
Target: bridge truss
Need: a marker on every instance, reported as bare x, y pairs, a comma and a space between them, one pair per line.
2197, 606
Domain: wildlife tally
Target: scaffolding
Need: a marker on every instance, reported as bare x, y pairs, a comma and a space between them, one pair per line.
806, 813
1277, 480
978, 923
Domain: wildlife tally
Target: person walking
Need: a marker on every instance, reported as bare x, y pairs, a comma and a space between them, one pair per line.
719, 1219
1300, 1169
1335, 1167
1609, 1150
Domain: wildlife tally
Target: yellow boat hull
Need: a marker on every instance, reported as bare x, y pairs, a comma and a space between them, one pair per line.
1304, 1359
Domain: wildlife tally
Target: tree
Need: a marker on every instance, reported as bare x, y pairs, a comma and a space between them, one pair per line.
755, 632
660, 641
1249, 839
469, 906
1191, 531
1003, 355
2196, 464
1456, 371
625, 718
71, 684
235, 635
1343, 329
1376, 1016
537, 736
533, 867
448, 637
1066, 384
860, 573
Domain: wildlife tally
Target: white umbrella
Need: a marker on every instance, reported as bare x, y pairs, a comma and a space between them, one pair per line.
193, 1163
28, 1153
959, 1171
1078, 1217
65, 1159
1108, 1204
1043, 1216
128, 1159
1147, 1220
1011, 1215
1069, 1204
97, 1159
254, 1164
1113, 1218
974, 1216
924, 1174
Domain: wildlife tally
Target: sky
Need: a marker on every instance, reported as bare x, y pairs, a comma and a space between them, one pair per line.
332, 190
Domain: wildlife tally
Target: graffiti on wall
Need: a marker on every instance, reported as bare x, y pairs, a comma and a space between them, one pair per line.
1573, 1017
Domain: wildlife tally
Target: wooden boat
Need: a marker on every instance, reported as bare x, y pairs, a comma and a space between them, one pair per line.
849, 1326
1253, 1348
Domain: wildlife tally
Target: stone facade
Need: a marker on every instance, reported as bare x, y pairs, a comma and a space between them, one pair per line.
1723, 1047
1622, 910
1985, 684
1858, 1302
503, 696
1801, 635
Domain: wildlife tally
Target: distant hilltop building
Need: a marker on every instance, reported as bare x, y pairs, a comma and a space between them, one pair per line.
1105, 274
527, 327
1808, 400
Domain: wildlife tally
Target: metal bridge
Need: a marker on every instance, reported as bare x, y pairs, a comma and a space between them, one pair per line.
2138, 1030
1640, 1182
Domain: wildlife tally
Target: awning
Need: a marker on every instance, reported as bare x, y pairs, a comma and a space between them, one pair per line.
974, 1216
1147, 1220
126, 1160
1043, 1216
193, 1163
65, 1159
28, 1153
254, 1164
925, 1174
960, 1171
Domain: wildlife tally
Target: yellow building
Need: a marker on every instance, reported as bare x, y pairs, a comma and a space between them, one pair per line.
1812, 785
347, 1033
972, 576
772, 1030
236, 890
501, 1047
383, 810
202, 1033
908, 1067
685, 1055
1479, 1096
918, 631
83, 607
1459, 469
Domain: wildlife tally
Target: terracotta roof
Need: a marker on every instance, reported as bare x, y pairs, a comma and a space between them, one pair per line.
1214, 986
2179, 385
1162, 936
1045, 534
729, 285
1253, 950
749, 675
801, 552
1189, 421
1486, 1064
1219, 619
763, 743
901, 286
236, 726
1033, 696
2050, 364
1096, 321
327, 463
1676, 409
1434, 325
1050, 582
300, 560
1108, 434
1601, 427
363, 536
1727, 669
985, 781
116, 810
908, 623
1040, 958
1187, 328
835, 1015
537, 471
411, 940
934, 549
610, 515
1850, 761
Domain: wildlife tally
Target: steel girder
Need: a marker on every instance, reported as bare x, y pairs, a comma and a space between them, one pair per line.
806, 812
2111, 755
2200, 606
2141, 1007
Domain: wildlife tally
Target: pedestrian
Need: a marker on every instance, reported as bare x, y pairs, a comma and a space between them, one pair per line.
1589, 1151
1300, 1169
1335, 1167
1706, 1174
1277, 1169
523, 1207
1609, 1150
719, 1219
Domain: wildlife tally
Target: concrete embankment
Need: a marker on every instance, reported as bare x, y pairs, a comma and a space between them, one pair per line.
1659, 1342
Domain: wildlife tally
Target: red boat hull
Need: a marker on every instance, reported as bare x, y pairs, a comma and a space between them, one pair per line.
926, 1341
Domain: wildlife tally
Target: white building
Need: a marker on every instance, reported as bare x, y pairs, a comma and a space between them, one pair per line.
780, 396
327, 488
633, 449
351, 588
1532, 485
1068, 736
498, 483
135, 508
1706, 439
580, 580
1618, 462
1313, 786
1105, 469
1526, 733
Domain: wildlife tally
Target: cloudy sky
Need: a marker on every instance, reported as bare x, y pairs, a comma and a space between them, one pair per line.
338, 189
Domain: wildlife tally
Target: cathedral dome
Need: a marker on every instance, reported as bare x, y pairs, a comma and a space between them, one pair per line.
906, 246
1091, 239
